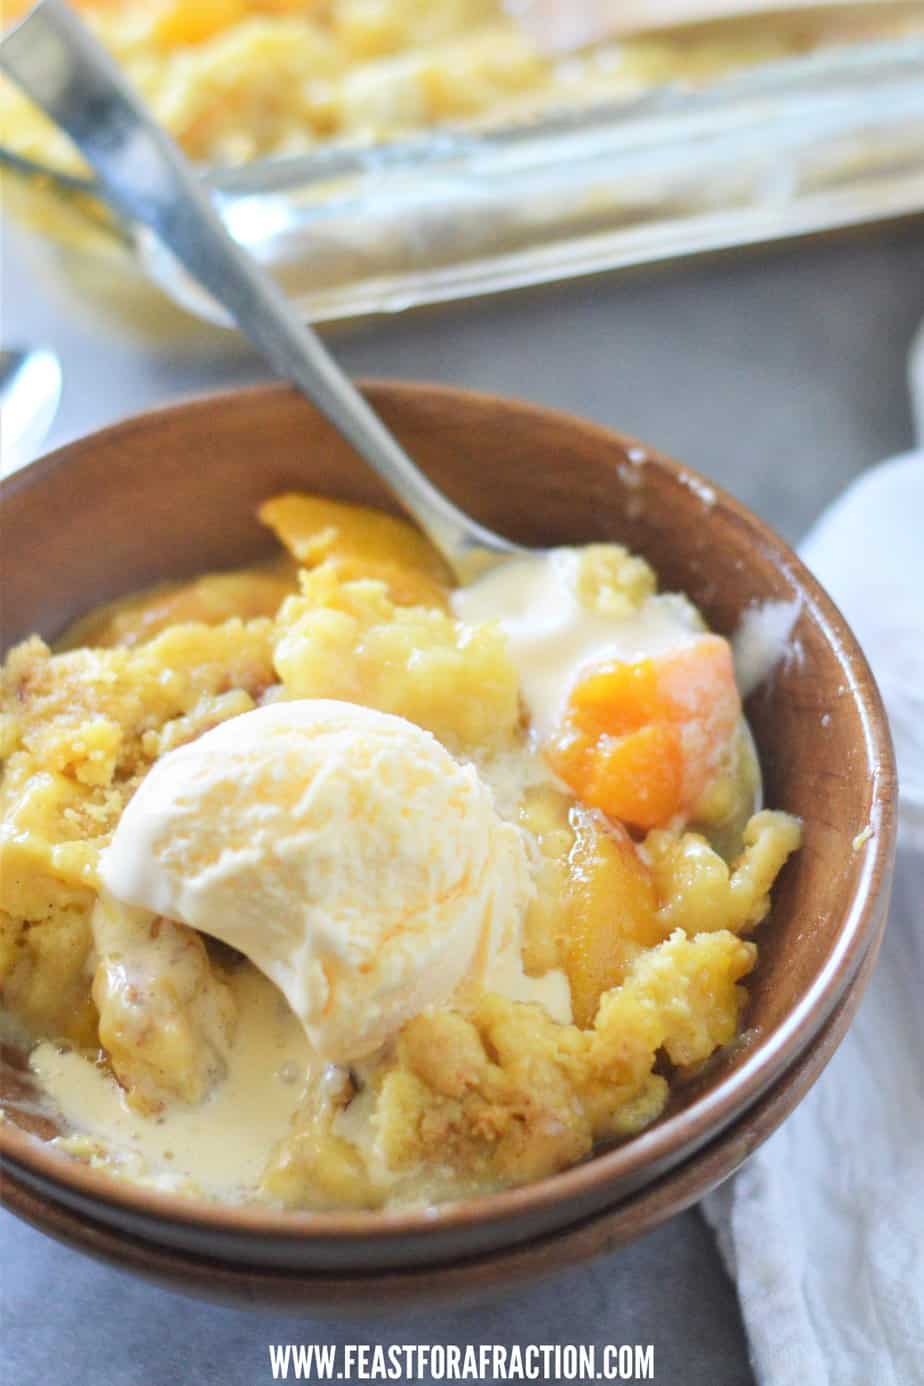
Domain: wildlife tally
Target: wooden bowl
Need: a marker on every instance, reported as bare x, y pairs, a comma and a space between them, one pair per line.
174, 492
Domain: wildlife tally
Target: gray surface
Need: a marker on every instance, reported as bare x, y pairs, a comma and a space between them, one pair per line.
69, 1320
781, 375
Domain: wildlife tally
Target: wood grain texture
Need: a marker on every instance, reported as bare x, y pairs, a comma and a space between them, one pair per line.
174, 492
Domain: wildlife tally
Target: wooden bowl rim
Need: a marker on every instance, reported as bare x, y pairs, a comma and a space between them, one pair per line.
709, 1114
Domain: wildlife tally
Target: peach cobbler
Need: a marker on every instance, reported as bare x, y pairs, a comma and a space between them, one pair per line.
327, 884
237, 80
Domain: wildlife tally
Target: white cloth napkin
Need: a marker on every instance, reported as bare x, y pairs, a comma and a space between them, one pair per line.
823, 1229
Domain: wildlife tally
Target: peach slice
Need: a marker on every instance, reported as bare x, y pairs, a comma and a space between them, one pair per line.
643, 739
361, 542
612, 912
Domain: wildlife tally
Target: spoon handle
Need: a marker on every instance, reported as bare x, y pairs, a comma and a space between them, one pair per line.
59, 63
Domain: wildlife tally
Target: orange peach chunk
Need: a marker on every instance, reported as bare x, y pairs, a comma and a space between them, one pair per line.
195, 21
612, 912
361, 543
698, 686
643, 739
637, 778
617, 698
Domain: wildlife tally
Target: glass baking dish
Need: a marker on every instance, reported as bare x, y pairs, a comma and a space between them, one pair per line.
800, 145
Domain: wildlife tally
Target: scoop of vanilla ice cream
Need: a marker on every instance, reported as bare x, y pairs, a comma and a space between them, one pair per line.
342, 850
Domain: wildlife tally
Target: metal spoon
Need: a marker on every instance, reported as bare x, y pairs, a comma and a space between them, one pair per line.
57, 61
30, 391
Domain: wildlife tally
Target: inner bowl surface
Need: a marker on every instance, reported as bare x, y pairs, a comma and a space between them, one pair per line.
174, 492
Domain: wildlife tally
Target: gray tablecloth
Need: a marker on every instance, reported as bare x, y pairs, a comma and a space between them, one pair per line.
779, 374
